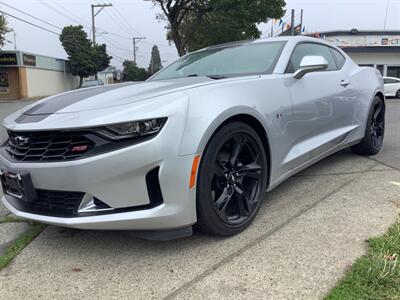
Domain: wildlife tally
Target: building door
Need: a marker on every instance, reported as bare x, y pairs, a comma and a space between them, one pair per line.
9, 83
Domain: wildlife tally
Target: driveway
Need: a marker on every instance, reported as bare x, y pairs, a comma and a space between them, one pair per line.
308, 232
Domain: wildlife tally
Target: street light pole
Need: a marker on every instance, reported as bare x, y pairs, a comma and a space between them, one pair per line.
94, 14
135, 40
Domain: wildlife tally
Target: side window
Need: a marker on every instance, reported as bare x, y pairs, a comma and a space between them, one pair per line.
310, 49
390, 81
338, 57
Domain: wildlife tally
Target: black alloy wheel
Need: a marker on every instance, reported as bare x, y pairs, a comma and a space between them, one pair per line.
372, 143
232, 180
378, 125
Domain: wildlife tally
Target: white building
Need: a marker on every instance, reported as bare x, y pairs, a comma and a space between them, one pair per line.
370, 48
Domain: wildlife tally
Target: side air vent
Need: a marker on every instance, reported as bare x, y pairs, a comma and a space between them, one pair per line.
154, 188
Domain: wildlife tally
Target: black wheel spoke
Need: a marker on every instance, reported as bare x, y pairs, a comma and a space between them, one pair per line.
223, 201
240, 141
377, 112
252, 170
242, 205
220, 169
243, 201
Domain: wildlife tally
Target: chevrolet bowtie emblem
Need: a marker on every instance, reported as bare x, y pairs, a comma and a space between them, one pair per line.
21, 140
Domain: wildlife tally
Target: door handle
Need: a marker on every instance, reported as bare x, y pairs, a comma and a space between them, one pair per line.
345, 83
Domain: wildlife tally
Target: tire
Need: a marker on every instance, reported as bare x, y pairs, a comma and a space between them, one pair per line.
232, 180
398, 94
372, 143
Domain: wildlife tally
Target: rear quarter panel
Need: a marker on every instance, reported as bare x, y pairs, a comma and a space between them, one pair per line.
367, 83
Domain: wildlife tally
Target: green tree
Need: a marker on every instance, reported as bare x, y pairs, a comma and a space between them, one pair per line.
133, 73
155, 61
3, 30
85, 59
194, 24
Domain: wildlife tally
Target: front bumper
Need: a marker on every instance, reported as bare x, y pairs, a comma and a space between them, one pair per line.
118, 179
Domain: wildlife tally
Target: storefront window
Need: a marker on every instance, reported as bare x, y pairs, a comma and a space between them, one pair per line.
393, 71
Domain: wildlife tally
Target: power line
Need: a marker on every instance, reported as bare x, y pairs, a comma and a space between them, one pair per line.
116, 57
117, 21
124, 19
124, 24
36, 18
386, 15
59, 12
32, 24
76, 17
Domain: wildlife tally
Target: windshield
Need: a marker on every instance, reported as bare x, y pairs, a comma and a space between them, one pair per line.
225, 61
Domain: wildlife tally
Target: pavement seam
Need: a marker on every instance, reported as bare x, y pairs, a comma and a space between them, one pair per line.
252, 243
382, 163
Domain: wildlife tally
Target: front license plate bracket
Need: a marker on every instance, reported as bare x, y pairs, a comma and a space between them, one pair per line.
18, 185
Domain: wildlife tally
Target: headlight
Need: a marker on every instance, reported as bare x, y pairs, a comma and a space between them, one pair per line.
132, 129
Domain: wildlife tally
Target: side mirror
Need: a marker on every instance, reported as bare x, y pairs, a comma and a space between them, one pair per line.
311, 64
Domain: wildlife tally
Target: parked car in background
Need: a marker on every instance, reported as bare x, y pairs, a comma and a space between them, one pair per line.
392, 87
92, 83
196, 144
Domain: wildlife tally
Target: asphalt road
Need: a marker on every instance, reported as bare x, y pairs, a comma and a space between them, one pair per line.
308, 232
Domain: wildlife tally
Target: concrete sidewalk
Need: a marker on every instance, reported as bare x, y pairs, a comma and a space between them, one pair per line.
307, 234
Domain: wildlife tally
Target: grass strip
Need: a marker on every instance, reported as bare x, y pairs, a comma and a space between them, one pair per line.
376, 275
12, 218
20, 243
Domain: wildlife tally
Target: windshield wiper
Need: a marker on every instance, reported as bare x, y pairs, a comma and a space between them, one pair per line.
216, 77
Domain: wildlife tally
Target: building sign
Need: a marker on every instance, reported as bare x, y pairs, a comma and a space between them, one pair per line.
364, 41
29, 60
391, 41
4, 83
8, 59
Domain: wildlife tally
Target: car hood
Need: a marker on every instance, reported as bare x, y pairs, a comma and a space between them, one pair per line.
111, 95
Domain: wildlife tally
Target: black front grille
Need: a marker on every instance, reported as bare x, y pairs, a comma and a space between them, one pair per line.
47, 146
52, 203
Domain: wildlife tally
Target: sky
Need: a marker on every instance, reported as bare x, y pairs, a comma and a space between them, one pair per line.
128, 18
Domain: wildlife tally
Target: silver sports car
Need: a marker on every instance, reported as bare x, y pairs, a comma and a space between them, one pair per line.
197, 144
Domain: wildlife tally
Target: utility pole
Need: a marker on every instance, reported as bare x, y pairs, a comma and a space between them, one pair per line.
94, 14
15, 39
272, 27
135, 41
301, 22
292, 23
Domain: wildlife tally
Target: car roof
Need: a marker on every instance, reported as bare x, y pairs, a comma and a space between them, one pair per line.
386, 77
294, 39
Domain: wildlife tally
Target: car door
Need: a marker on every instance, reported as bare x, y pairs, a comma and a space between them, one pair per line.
323, 105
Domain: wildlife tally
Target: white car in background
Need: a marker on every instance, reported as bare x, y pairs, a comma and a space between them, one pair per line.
392, 86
